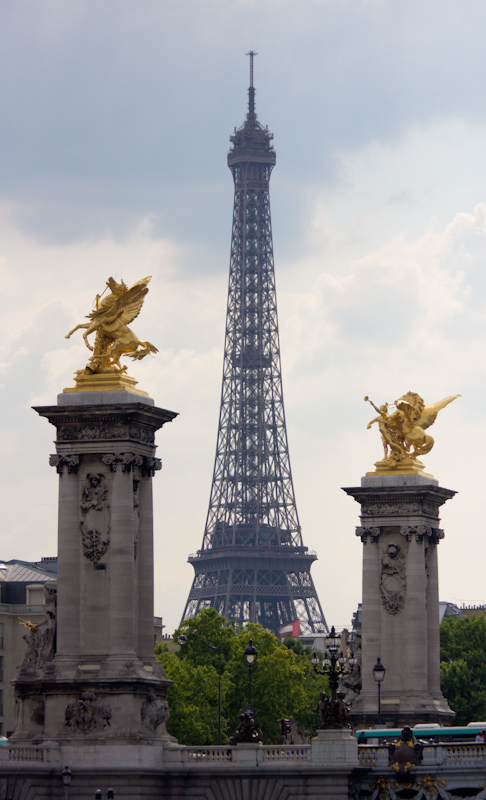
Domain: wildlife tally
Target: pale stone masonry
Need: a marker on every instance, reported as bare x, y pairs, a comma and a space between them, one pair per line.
400, 616
101, 681
22, 596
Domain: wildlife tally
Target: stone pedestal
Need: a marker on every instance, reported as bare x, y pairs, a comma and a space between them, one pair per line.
400, 617
100, 682
335, 748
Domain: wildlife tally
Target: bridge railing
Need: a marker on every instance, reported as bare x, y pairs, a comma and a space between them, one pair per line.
249, 754
469, 754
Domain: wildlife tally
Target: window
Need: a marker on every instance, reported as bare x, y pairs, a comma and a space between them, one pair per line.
35, 595
1, 669
1, 635
1, 702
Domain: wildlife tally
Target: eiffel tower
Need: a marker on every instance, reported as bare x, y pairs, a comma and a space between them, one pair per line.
253, 565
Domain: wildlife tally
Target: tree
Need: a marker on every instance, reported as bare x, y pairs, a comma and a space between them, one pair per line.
192, 698
463, 667
283, 681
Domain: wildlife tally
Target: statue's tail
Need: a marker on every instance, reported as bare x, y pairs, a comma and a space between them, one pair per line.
146, 349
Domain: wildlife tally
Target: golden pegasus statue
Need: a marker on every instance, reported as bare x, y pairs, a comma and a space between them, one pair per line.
109, 322
403, 432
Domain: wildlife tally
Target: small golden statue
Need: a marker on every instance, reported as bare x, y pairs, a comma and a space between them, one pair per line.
403, 432
109, 321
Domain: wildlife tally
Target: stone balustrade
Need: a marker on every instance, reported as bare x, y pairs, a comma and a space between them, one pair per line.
433, 755
251, 755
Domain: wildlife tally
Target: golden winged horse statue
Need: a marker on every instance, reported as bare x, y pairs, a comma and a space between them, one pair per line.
109, 322
403, 432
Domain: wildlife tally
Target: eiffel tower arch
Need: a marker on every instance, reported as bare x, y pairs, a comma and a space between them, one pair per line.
253, 565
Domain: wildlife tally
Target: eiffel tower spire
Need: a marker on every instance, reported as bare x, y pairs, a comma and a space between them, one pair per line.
253, 565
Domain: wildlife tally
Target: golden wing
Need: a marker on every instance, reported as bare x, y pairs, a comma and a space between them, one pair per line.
429, 414
28, 624
125, 308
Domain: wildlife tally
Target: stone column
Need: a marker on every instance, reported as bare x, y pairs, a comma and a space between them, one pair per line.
371, 614
145, 566
400, 616
69, 557
103, 684
415, 621
122, 590
433, 632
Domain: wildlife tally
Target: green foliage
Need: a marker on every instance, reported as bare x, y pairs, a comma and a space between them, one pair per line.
298, 648
463, 667
193, 699
211, 627
283, 681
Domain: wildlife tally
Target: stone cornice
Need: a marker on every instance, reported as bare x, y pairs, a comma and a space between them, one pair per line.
128, 421
400, 495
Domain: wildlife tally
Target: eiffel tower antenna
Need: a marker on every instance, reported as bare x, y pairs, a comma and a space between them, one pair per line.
253, 566
251, 89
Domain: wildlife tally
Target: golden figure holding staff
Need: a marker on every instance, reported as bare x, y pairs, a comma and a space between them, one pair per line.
403, 432
109, 322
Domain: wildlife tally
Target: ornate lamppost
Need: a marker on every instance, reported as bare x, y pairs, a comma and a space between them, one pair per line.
332, 711
250, 655
379, 674
247, 731
182, 640
66, 780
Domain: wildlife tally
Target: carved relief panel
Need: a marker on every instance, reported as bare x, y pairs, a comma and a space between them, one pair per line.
95, 516
393, 580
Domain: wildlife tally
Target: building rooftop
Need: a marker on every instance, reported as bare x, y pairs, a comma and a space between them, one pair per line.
16, 571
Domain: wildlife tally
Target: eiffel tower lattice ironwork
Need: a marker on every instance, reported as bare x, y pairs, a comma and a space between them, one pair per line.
252, 565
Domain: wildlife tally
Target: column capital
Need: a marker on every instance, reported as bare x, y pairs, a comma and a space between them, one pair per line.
127, 461
151, 465
363, 533
421, 532
59, 462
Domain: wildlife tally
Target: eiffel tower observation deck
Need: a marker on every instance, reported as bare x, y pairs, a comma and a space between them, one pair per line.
253, 565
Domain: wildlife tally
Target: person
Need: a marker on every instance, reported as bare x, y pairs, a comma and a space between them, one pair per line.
479, 737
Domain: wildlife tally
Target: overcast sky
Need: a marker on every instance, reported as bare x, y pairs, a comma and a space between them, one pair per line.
116, 117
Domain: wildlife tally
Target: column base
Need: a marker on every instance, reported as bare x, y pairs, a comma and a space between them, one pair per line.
91, 709
335, 748
396, 712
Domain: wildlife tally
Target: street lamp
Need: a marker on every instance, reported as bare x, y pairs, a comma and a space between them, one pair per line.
66, 779
333, 713
250, 654
182, 640
379, 674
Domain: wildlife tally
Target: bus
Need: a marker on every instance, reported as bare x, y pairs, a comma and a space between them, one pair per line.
431, 733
